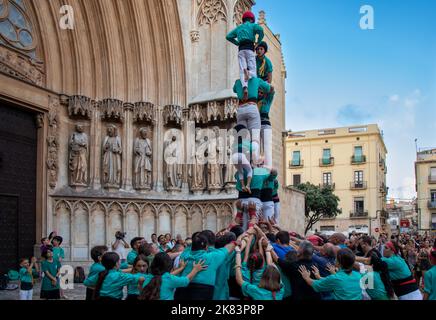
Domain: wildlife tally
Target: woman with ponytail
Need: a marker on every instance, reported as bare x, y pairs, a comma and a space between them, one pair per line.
269, 287
109, 283
404, 283
163, 283
379, 285
344, 284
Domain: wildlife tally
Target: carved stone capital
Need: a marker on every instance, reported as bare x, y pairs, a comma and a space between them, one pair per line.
195, 36
112, 109
79, 106
172, 113
144, 112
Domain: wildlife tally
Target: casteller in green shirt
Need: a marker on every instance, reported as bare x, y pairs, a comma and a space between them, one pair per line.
244, 36
430, 283
52, 268
342, 285
257, 293
398, 268
113, 284
378, 291
169, 284
254, 84
264, 67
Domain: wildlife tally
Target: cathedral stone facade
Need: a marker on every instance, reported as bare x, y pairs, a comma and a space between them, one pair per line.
110, 97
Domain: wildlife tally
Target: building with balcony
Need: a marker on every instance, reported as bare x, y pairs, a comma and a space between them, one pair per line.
350, 160
425, 174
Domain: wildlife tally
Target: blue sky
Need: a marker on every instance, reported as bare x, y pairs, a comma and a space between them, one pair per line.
340, 75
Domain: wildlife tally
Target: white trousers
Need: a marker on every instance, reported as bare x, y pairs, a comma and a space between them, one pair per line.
26, 294
247, 61
266, 145
277, 212
415, 295
268, 210
241, 163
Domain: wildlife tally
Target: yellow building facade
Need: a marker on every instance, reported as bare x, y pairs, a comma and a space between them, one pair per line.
425, 171
352, 160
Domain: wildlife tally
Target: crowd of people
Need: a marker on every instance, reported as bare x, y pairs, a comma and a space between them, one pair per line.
253, 258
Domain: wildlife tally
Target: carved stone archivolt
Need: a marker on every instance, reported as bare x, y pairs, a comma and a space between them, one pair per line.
211, 11
53, 143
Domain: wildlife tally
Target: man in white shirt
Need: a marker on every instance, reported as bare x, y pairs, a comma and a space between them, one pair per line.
120, 246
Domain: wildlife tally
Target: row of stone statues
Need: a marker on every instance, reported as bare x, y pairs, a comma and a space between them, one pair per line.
202, 174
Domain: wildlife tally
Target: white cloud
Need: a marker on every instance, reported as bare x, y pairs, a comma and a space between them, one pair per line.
394, 98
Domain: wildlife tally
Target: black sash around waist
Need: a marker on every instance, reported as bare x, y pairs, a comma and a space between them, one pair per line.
246, 45
404, 286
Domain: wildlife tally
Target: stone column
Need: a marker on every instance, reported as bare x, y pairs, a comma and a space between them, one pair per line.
141, 223
185, 123
106, 222
127, 164
95, 148
158, 140
189, 223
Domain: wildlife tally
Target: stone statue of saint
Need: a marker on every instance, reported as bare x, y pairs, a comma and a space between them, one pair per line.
143, 159
78, 161
229, 179
173, 171
197, 177
214, 167
112, 158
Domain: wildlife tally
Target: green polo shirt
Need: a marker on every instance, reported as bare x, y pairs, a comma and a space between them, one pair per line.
95, 269
342, 285
260, 175
257, 293
213, 260
58, 252
131, 257
378, 292
268, 67
132, 288
397, 267
25, 276
245, 32
222, 291
254, 84
430, 283
169, 284
113, 284
265, 106
52, 268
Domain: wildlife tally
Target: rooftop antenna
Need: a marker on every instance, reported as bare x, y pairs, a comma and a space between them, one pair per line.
416, 147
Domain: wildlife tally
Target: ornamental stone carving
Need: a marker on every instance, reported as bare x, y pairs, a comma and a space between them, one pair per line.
80, 106
211, 11
53, 143
241, 6
195, 35
112, 109
144, 112
172, 113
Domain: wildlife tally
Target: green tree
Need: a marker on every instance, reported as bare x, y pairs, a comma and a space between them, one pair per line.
320, 203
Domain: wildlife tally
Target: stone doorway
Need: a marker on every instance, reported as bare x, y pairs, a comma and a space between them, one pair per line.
18, 148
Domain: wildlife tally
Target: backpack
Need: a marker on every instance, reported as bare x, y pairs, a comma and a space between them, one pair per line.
13, 275
4, 279
79, 275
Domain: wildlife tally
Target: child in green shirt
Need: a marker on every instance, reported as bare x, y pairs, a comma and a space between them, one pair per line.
26, 278
264, 65
140, 267
50, 289
96, 255
244, 36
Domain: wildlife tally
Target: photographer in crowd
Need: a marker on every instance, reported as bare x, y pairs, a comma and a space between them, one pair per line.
120, 246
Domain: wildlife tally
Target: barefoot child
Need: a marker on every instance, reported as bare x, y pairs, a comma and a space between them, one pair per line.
244, 36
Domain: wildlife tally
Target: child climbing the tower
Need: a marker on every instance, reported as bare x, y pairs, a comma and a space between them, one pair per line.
264, 105
263, 63
244, 36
